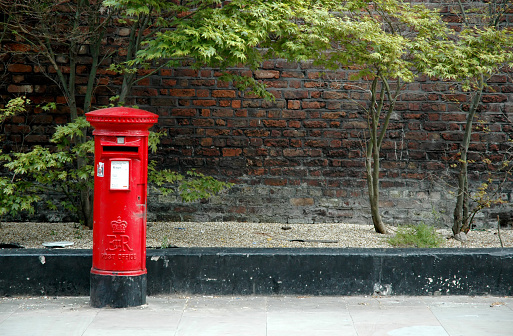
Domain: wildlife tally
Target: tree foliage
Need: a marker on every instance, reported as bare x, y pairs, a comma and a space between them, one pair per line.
45, 171
209, 32
471, 57
57, 34
384, 40
15, 194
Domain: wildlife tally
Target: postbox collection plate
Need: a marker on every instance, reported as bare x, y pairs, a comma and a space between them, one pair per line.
120, 175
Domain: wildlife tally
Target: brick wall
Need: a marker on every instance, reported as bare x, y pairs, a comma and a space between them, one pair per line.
298, 159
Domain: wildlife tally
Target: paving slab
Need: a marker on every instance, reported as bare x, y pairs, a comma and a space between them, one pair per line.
45, 316
197, 315
495, 319
212, 316
310, 316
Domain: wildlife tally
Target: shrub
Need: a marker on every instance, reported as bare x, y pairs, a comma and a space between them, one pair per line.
421, 235
44, 170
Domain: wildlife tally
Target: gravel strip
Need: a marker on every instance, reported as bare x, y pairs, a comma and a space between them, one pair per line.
234, 234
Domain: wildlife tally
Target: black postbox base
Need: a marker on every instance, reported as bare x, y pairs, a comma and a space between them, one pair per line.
118, 291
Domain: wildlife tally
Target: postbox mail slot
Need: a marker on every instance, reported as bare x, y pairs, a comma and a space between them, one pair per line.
122, 149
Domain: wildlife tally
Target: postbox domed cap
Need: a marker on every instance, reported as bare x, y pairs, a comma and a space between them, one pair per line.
121, 119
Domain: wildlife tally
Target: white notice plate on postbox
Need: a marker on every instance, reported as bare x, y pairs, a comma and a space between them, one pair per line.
119, 175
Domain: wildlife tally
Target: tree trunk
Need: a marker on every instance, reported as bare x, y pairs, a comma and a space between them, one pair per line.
461, 199
374, 144
86, 203
379, 227
372, 168
461, 212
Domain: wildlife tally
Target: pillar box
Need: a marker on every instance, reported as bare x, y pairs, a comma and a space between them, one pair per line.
118, 274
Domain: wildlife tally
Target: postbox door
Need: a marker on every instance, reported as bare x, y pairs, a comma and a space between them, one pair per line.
120, 210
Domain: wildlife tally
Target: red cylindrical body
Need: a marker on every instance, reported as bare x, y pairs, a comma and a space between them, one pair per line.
120, 190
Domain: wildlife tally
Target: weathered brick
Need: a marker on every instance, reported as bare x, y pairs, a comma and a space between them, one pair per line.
317, 143
183, 112
455, 97
17, 129
19, 47
186, 73
276, 142
313, 105
202, 82
334, 95
222, 113
182, 92
256, 133
275, 123
19, 68
310, 85
413, 115
295, 94
232, 151
41, 119
223, 94
282, 84
293, 152
204, 102
333, 115
163, 102
276, 182
302, 201
18, 119
20, 88
292, 74
494, 98
355, 125
34, 138
294, 104
294, 133
416, 136
18, 79
454, 117
294, 114
314, 124
294, 123
203, 122
435, 126
267, 74
209, 152
146, 92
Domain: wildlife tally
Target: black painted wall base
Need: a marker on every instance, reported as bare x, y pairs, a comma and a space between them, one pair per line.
232, 271
118, 291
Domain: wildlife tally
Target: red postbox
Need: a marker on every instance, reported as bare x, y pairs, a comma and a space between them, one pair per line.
118, 274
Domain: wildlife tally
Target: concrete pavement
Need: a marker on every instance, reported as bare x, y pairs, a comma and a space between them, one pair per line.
262, 316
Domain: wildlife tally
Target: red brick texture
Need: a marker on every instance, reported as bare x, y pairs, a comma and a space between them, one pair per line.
300, 157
